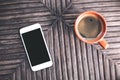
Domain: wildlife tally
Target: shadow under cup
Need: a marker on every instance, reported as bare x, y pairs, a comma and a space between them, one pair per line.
90, 27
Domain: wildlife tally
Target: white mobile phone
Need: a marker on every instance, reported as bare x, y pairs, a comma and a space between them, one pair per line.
36, 47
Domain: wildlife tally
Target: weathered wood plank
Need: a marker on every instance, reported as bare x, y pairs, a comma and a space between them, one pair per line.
111, 51
85, 61
96, 65
17, 61
101, 67
91, 1
5, 67
79, 59
90, 62
13, 56
20, 5
62, 50
57, 53
68, 55
117, 72
8, 77
23, 70
73, 53
106, 68
112, 70
18, 73
48, 70
6, 72
28, 15
44, 75
28, 71
51, 48
13, 76
39, 75
7, 2
98, 3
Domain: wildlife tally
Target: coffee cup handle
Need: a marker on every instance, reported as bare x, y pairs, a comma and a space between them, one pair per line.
103, 43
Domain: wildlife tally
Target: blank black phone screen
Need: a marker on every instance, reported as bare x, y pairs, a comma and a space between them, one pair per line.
35, 47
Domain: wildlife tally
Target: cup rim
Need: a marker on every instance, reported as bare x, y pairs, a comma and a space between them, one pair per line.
101, 35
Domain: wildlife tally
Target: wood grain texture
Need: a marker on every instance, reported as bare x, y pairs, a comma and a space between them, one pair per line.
72, 58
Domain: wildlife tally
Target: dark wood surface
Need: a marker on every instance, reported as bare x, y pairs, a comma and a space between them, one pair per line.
72, 59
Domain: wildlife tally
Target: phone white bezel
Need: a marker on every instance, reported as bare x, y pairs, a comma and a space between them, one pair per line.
31, 28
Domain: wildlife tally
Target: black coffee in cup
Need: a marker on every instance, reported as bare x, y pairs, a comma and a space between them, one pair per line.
90, 27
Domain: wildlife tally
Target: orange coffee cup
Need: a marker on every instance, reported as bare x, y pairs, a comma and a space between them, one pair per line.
100, 38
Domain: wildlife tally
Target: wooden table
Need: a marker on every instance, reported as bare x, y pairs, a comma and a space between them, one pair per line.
72, 59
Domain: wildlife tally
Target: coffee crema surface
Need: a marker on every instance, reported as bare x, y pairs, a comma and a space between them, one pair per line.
90, 27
